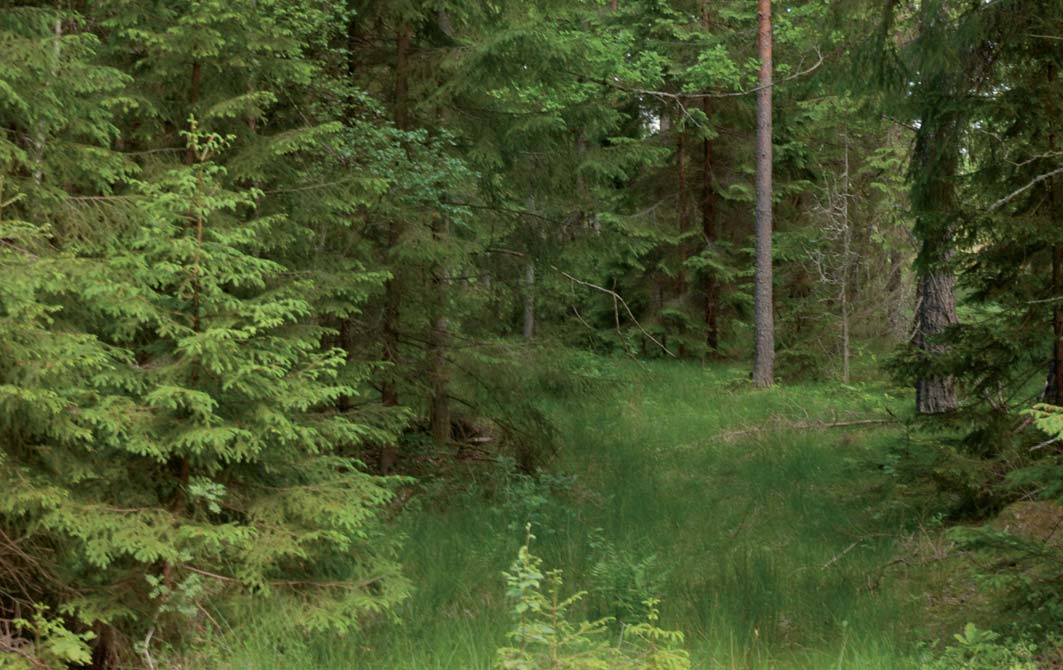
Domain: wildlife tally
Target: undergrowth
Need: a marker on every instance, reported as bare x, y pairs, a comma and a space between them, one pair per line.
765, 527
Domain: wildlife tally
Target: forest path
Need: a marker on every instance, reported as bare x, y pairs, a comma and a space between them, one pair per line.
768, 543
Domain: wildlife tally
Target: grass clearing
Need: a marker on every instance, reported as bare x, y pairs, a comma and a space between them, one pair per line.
766, 541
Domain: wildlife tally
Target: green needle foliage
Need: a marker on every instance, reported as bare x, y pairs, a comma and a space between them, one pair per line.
266, 261
545, 638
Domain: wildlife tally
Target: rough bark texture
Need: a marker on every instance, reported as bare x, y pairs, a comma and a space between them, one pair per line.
936, 157
937, 311
933, 198
764, 356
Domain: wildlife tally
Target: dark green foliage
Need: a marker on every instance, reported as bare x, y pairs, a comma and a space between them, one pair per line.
261, 256
172, 422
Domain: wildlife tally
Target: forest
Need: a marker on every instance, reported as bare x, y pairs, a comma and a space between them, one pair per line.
531, 334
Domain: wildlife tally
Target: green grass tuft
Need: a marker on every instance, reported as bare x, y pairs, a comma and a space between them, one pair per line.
766, 538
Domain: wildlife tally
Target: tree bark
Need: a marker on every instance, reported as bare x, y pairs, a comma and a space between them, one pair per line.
935, 394
934, 201
935, 162
764, 355
708, 215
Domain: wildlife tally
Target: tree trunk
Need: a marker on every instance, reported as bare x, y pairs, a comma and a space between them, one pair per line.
529, 300
439, 400
764, 356
389, 395
896, 297
933, 198
1054, 384
847, 239
937, 311
684, 213
708, 216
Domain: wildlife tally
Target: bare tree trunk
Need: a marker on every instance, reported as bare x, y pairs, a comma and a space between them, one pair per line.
684, 212
764, 356
529, 300
847, 239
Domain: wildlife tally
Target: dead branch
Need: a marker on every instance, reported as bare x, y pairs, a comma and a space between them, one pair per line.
617, 298
732, 435
1019, 191
840, 555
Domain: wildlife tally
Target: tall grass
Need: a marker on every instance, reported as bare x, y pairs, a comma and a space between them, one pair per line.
765, 537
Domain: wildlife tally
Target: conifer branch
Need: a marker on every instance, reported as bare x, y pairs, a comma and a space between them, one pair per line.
1019, 191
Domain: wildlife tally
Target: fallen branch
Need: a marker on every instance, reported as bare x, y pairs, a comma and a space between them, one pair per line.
839, 556
731, 436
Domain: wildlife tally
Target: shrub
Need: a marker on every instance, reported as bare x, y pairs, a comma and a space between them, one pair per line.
977, 649
545, 637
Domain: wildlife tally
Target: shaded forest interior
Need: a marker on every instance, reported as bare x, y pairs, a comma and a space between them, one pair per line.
560, 334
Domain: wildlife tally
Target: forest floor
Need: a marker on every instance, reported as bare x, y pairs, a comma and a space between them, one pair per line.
770, 531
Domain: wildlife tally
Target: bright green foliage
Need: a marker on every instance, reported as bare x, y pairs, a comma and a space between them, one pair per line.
176, 427
53, 645
977, 649
545, 638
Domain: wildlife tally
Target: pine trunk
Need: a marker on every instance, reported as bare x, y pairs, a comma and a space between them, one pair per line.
764, 356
